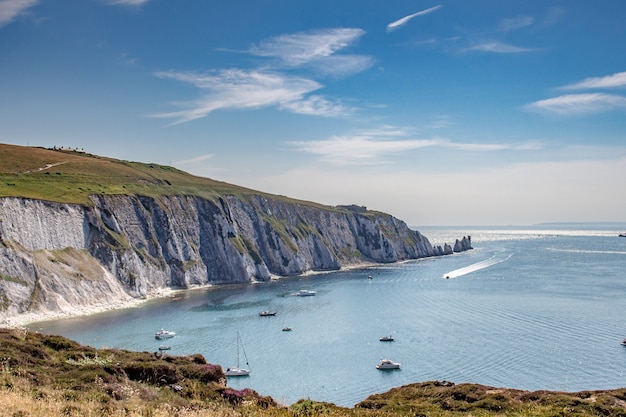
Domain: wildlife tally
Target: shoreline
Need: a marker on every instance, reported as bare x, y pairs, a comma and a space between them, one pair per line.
29, 318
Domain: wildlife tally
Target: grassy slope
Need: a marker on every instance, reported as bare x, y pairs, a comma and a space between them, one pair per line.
70, 177
53, 376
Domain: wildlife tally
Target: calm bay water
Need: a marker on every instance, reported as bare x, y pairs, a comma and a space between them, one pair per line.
532, 308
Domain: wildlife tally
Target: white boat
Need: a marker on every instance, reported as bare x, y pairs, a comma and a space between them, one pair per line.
386, 339
387, 364
237, 370
267, 313
164, 334
305, 293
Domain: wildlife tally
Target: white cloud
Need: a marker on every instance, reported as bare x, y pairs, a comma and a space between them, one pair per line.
610, 81
403, 21
128, 2
317, 106
497, 47
341, 150
371, 147
11, 9
571, 104
302, 48
194, 160
241, 89
267, 87
342, 65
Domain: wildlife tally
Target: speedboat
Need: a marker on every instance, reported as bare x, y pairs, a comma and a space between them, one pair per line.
305, 293
287, 329
387, 364
266, 313
386, 339
163, 347
164, 334
624, 342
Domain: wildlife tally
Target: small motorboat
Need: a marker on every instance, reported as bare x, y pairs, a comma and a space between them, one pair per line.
287, 329
387, 364
624, 342
305, 293
266, 313
163, 347
386, 338
164, 334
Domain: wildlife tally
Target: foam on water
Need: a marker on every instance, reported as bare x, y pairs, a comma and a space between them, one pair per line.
495, 259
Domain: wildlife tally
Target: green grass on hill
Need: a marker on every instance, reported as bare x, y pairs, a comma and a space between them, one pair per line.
71, 177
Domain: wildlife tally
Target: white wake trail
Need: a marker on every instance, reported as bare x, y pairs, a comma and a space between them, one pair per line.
476, 267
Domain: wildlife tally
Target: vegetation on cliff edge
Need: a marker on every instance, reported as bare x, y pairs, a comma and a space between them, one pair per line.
68, 176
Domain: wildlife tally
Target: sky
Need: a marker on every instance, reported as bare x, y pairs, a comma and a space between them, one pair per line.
468, 112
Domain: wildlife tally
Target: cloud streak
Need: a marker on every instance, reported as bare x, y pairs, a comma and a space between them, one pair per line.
403, 21
242, 89
497, 47
128, 2
609, 81
507, 25
11, 9
372, 147
575, 104
194, 160
297, 49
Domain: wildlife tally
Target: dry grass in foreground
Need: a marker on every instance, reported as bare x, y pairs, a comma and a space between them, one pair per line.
53, 376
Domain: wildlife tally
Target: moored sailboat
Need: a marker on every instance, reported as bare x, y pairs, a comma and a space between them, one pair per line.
237, 370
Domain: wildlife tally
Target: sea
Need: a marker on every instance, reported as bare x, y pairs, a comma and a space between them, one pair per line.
532, 308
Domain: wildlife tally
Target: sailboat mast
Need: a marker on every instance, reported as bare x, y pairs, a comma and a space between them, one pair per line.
238, 338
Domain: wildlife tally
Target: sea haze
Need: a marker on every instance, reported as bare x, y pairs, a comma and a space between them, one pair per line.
528, 308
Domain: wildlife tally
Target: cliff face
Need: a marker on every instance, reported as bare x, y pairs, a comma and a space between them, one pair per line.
58, 257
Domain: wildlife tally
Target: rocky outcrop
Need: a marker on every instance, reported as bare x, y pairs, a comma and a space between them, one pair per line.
463, 244
58, 257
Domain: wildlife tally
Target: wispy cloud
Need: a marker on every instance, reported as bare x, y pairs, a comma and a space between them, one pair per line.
194, 160
609, 81
507, 25
403, 21
242, 89
127, 2
11, 9
375, 146
300, 48
316, 49
270, 85
574, 104
497, 47
317, 106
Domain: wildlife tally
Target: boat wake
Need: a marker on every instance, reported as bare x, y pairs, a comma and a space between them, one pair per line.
495, 259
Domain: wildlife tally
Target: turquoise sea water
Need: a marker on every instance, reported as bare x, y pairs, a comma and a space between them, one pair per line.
528, 308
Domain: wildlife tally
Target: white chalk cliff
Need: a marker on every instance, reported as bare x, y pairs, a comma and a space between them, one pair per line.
57, 258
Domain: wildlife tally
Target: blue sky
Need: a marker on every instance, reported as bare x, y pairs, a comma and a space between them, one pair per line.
440, 113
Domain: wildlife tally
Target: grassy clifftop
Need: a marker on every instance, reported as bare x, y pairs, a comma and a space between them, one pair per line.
70, 176
53, 376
